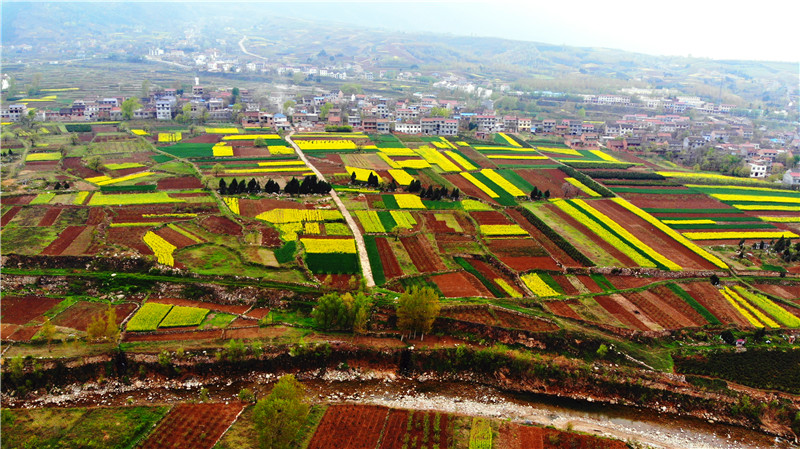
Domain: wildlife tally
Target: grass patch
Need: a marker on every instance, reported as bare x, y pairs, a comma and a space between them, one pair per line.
217, 320
374, 260
285, 253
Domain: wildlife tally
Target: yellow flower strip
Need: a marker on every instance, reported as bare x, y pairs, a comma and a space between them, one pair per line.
753, 320
184, 232
329, 246
251, 137
780, 219
409, 201
298, 215
403, 218
132, 224
629, 238
388, 160
370, 221
521, 157
502, 230
362, 174
461, 143
42, 157
124, 178
80, 198
737, 235
759, 314
770, 307
140, 132
311, 227
567, 151
762, 199
767, 207
435, 157
222, 150
123, 166
169, 137
604, 156
233, 204
583, 187
480, 185
601, 232
762, 189
502, 182
537, 285
161, 248
398, 151
672, 233
222, 131
460, 160
512, 292
700, 221
326, 144
713, 176
277, 163
401, 177
265, 170
413, 163
276, 150
511, 141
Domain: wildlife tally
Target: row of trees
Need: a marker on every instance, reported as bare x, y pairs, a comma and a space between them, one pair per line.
310, 184
537, 194
431, 193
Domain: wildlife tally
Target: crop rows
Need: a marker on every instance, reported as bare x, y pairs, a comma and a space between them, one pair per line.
161, 248
148, 317
538, 286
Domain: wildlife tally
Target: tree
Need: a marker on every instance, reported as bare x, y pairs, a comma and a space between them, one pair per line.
288, 105
217, 169
343, 312
353, 178
417, 309
440, 112
222, 186
48, 331
128, 106
93, 162
323, 111
234, 95
104, 326
35, 87
280, 416
145, 88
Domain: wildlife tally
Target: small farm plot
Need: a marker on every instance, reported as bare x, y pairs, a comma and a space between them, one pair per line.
182, 316
148, 317
422, 255
198, 426
416, 430
460, 285
350, 426
331, 256
79, 315
492, 316
23, 309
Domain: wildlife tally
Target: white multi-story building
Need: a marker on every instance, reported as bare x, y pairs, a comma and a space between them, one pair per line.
164, 108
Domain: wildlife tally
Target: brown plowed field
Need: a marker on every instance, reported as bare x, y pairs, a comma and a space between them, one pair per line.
491, 274
135, 214
22, 309
489, 217
258, 312
522, 254
24, 333
594, 238
196, 426
213, 334
81, 243
79, 315
270, 237
468, 188
562, 308
350, 426
175, 237
555, 252
75, 166
130, 237
556, 439
18, 199
204, 138
459, 285
671, 201
565, 284
400, 434
251, 208
659, 310
227, 308
785, 291
619, 312
498, 317
41, 165
551, 179
710, 298
7, 329
62, 242
623, 282
50, 216
183, 182
221, 225
9, 215
422, 254
96, 216
665, 294
391, 268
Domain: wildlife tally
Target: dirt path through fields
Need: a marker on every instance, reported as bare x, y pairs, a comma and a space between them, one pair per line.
366, 269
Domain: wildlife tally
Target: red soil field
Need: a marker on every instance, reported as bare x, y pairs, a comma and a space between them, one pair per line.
7, 329
522, 254
498, 317
437, 226
104, 129
663, 293
182, 182
79, 315
623, 282
221, 225
41, 165
555, 252
251, 208
562, 308
596, 240
24, 333
551, 179
422, 254
565, 284
175, 237
212, 334
196, 426
490, 217
530, 437
57, 246
18, 199
391, 269
785, 290
589, 283
397, 428
675, 201
96, 216
619, 312
75, 166
335, 281
135, 214
9, 215
556, 439
249, 151
710, 298
205, 138
455, 243
86, 137
130, 237
50, 216
350, 426
460, 284
227, 308
258, 312
660, 311
491, 273
270, 237
467, 188
22, 309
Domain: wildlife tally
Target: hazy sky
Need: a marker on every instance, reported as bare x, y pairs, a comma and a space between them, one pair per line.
761, 30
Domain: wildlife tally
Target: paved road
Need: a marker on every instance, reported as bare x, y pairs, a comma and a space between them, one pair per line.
244, 50
360, 246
